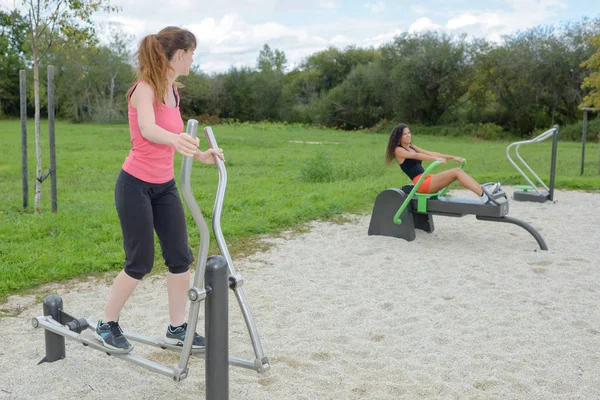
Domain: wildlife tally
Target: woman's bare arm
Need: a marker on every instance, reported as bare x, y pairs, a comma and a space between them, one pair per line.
437, 155
401, 154
142, 100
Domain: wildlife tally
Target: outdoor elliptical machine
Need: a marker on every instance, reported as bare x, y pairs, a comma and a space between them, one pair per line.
536, 192
59, 325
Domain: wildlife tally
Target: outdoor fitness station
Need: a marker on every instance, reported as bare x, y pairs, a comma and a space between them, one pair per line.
398, 212
538, 192
212, 278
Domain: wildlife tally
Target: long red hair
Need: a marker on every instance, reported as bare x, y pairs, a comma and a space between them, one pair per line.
154, 54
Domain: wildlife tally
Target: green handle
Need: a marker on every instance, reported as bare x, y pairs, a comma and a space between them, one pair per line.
412, 193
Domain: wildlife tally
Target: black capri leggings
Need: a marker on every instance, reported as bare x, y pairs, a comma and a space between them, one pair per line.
144, 208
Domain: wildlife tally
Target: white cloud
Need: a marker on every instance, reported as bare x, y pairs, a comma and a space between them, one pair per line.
380, 39
423, 24
375, 6
492, 24
341, 41
462, 21
233, 33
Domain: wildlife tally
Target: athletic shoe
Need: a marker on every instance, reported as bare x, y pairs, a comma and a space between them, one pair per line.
111, 334
493, 188
484, 198
176, 336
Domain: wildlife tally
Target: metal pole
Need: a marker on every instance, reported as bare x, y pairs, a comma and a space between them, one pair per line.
583, 136
217, 329
553, 163
51, 137
23, 95
55, 344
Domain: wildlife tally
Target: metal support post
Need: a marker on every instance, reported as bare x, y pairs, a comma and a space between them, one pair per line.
216, 328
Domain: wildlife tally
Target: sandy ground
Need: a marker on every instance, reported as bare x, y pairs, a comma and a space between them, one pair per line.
472, 311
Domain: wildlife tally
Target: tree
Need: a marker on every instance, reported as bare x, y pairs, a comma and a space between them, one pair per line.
47, 19
271, 60
334, 65
268, 84
195, 100
13, 30
355, 103
532, 80
237, 94
428, 73
593, 80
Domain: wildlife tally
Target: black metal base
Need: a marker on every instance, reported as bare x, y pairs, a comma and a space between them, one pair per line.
530, 196
389, 201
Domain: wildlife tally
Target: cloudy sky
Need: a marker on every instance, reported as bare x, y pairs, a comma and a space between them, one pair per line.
232, 32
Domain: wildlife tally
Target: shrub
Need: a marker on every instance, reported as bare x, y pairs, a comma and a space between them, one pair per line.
318, 170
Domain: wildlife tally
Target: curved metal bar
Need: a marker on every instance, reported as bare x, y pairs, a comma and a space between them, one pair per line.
412, 193
530, 169
197, 289
261, 363
516, 145
537, 139
520, 223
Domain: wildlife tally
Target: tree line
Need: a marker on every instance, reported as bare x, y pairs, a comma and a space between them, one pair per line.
530, 81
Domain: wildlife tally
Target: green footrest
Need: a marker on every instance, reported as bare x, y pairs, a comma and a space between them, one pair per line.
524, 187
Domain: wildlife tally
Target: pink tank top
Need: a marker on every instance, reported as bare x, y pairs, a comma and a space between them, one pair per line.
148, 161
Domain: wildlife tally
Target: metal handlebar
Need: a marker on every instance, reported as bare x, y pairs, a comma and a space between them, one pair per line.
197, 292
216, 217
190, 200
261, 362
539, 138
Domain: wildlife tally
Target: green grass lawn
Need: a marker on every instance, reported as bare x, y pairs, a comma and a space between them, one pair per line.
278, 178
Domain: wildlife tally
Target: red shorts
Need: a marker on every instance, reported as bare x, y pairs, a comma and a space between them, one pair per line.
424, 188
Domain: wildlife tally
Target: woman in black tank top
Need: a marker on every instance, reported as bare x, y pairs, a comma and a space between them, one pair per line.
409, 158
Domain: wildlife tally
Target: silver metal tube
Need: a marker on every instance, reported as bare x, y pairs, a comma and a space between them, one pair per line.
216, 224
234, 361
198, 284
531, 170
517, 167
516, 145
51, 325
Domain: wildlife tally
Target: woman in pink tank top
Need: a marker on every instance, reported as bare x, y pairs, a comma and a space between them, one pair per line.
146, 195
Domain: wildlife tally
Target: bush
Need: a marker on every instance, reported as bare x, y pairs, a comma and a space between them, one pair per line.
318, 170
486, 131
574, 131
206, 119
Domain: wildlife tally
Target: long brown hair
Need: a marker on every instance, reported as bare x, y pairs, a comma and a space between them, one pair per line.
393, 142
154, 54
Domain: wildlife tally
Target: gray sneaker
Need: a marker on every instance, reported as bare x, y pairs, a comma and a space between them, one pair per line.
488, 191
493, 188
176, 336
111, 334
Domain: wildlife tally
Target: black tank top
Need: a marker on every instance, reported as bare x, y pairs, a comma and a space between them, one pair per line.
412, 167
